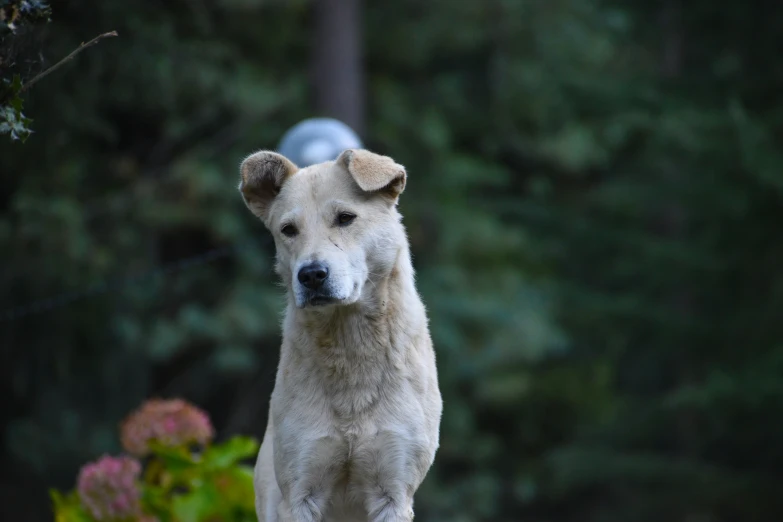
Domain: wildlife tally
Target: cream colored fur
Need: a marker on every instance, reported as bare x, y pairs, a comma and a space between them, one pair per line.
355, 413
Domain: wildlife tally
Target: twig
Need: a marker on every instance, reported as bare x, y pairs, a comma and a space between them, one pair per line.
68, 58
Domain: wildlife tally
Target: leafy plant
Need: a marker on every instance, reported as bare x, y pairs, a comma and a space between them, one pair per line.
12, 121
15, 14
183, 478
27, 14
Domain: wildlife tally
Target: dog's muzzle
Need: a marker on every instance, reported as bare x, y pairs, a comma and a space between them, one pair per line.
314, 277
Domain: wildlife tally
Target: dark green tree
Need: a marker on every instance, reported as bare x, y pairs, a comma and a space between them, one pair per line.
593, 206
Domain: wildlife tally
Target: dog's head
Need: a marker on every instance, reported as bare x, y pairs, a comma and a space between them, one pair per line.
335, 224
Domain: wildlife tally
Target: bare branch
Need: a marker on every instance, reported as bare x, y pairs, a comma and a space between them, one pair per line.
68, 58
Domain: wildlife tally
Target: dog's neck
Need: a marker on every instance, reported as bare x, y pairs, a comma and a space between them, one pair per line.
357, 350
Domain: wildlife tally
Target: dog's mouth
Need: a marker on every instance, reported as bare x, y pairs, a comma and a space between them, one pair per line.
321, 300
315, 299
326, 296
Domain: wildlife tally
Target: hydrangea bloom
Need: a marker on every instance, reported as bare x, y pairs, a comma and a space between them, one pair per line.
107, 488
169, 422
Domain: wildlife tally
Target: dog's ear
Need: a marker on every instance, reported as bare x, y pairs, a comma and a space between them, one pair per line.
261, 176
373, 172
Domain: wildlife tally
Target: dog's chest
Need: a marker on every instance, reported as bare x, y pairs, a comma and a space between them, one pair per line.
352, 380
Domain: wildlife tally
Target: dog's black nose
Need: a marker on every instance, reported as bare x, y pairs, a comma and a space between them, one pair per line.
312, 276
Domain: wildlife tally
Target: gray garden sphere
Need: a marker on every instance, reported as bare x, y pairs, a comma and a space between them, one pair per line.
316, 140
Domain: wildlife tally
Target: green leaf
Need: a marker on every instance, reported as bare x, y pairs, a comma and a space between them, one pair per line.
235, 486
174, 459
197, 505
68, 508
155, 501
16, 89
230, 452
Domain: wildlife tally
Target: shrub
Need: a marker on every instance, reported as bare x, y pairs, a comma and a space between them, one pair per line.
173, 473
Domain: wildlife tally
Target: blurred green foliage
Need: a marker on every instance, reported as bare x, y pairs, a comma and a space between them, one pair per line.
180, 486
594, 197
12, 120
16, 16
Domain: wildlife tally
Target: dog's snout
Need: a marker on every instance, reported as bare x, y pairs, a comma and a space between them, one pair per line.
313, 275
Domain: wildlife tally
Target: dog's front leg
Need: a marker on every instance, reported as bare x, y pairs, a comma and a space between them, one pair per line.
307, 472
392, 468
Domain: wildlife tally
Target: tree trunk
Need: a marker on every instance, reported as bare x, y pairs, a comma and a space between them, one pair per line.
337, 72
675, 219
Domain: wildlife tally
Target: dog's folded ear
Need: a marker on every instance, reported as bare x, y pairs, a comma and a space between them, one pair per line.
262, 174
373, 172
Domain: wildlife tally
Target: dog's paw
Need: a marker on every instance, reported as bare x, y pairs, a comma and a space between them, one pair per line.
303, 510
387, 509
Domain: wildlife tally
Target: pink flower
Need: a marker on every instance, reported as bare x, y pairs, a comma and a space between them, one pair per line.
169, 422
108, 490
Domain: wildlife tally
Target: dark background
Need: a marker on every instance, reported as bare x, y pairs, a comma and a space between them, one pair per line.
594, 208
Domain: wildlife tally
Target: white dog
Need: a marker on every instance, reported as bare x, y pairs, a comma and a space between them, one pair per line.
355, 413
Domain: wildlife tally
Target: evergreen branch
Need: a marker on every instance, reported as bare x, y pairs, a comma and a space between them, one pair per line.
68, 58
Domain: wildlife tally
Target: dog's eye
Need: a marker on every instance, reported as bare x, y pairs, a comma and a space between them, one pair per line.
345, 218
289, 230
